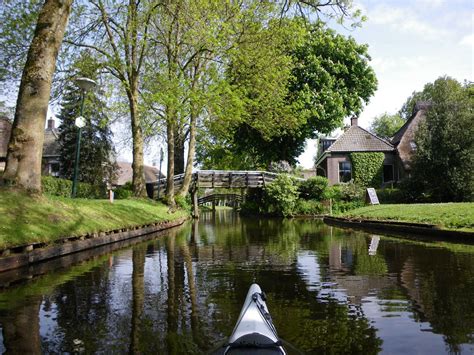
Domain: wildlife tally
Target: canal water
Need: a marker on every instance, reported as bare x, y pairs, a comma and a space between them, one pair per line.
329, 290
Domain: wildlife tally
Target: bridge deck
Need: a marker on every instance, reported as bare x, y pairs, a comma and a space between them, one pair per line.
222, 178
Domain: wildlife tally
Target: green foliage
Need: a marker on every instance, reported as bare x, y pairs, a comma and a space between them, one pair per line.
367, 168
316, 78
390, 196
183, 202
18, 19
444, 158
386, 125
347, 192
282, 195
124, 192
308, 207
314, 188
62, 187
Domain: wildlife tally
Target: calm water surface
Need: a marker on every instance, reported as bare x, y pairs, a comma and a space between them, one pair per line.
181, 293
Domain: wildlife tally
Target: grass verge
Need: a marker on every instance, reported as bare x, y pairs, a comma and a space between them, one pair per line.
24, 219
454, 216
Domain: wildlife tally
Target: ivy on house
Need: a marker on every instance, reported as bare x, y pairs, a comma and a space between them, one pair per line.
367, 168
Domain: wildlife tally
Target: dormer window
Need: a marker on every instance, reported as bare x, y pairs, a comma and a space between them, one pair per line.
413, 145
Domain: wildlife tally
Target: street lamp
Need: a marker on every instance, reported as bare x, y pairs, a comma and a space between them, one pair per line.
85, 85
159, 176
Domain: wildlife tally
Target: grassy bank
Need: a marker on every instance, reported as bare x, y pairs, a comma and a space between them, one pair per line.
457, 216
44, 219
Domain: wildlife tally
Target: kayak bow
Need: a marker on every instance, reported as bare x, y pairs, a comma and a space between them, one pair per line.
254, 332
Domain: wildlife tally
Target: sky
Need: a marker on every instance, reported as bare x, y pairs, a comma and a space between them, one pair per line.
411, 43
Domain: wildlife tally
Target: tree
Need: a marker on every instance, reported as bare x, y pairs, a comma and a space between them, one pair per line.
97, 152
444, 159
386, 125
315, 80
119, 34
23, 167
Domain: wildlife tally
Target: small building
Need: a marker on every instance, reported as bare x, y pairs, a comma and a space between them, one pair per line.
50, 159
125, 173
334, 161
5, 131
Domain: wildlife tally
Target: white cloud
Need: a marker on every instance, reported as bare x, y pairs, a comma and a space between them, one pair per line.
404, 20
467, 40
430, 3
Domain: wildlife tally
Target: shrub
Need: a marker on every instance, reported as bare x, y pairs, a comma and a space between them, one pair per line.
62, 187
183, 202
348, 192
123, 192
281, 195
394, 195
314, 188
309, 207
343, 206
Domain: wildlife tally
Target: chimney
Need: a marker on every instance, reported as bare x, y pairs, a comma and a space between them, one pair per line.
354, 121
51, 124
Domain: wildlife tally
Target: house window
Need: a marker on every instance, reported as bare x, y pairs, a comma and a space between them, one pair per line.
345, 174
54, 169
387, 173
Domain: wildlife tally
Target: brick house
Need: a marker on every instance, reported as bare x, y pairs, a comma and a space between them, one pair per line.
50, 163
334, 159
5, 131
50, 160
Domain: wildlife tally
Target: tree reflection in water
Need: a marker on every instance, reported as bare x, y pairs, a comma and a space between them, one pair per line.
182, 293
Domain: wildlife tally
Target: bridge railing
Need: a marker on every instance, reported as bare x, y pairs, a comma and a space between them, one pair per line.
223, 178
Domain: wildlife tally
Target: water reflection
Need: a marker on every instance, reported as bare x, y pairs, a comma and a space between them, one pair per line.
329, 291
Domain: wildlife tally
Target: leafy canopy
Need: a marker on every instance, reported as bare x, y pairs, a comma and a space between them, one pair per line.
444, 159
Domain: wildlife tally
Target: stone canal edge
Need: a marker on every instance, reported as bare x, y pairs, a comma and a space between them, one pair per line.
33, 253
401, 229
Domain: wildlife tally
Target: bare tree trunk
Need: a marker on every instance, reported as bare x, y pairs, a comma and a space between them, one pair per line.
191, 149
25, 148
138, 177
178, 151
170, 172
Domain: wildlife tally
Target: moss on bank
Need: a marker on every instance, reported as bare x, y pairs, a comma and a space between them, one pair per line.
455, 216
24, 219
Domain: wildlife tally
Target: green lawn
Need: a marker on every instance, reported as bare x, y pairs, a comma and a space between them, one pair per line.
458, 216
43, 219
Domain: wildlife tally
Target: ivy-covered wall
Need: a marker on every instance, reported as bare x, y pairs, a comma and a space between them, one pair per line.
367, 168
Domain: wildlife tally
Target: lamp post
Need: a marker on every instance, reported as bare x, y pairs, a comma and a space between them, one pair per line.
85, 85
159, 176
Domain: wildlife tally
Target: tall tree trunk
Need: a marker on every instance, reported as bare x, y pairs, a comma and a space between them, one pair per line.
170, 171
138, 173
21, 333
191, 149
25, 148
138, 287
178, 150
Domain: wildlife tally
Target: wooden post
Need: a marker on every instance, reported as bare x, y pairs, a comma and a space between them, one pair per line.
194, 197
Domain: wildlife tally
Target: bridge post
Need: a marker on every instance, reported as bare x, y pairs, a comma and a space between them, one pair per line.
194, 198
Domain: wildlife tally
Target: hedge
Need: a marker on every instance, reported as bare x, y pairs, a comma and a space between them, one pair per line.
62, 187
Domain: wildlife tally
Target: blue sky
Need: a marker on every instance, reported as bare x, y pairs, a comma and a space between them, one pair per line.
411, 43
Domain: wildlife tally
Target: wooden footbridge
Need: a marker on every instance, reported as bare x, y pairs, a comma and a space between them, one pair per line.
221, 178
218, 178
